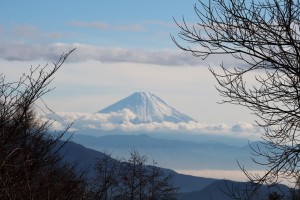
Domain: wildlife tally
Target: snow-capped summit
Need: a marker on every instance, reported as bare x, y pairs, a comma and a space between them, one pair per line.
148, 108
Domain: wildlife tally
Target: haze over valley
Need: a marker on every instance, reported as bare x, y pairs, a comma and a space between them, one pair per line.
146, 123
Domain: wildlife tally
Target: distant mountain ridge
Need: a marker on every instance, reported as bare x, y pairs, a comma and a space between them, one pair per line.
172, 153
148, 108
85, 158
191, 187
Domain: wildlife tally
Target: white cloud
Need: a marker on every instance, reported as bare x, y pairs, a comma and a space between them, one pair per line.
28, 33
242, 126
25, 31
136, 27
105, 26
98, 24
123, 120
237, 175
18, 51
28, 52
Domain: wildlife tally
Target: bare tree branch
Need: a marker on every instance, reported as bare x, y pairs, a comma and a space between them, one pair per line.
265, 37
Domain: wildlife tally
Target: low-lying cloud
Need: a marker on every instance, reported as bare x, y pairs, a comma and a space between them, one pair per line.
124, 121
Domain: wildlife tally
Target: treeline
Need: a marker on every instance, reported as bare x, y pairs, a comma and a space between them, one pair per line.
30, 165
131, 179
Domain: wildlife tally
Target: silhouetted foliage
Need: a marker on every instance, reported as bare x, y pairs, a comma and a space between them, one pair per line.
295, 192
30, 167
106, 181
264, 38
274, 196
132, 180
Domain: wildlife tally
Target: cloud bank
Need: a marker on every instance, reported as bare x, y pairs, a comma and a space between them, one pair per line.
27, 52
123, 121
18, 51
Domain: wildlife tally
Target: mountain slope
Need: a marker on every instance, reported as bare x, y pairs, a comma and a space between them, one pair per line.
191, 187
174, 154
148, 108
86, 158
228, 190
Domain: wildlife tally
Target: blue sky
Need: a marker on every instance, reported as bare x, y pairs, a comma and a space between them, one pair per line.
122, 47
109, 23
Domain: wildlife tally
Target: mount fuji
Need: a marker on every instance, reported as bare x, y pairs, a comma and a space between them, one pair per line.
147, 108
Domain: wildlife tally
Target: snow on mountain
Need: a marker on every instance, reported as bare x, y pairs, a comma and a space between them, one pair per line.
148, 108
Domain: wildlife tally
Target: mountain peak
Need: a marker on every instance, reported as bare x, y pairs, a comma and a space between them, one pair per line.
148, 108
